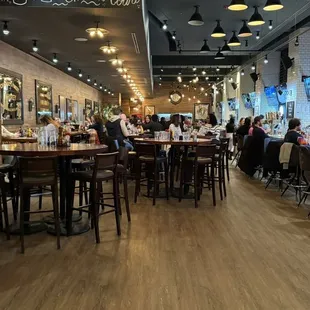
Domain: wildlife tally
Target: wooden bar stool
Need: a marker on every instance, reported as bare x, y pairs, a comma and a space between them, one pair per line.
4, 207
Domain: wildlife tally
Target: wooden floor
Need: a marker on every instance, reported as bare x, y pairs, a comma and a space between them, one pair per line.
250, 252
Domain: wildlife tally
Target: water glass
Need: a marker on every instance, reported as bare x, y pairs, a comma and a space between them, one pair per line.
157, 135
186, 136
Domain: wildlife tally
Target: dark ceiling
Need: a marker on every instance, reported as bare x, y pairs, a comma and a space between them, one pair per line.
55, 30
177, 14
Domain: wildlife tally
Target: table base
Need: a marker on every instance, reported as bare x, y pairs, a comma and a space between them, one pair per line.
29, 229
78, 228
50, 219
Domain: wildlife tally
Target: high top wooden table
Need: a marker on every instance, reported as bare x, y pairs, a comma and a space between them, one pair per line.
64, 154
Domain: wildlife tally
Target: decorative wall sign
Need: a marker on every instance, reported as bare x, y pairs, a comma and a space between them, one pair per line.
175, 97
201, 111
73, 3
290, 109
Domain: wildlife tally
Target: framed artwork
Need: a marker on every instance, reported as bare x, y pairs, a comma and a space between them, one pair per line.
72, 111
88, 108
11, 97
149, 110
44, 99
201, 111
96, 107
62, 108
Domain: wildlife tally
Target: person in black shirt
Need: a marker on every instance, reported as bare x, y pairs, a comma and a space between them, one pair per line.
153, 125
292, 134
97, 124
244, 129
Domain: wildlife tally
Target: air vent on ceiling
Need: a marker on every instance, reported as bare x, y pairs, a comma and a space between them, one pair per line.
135, 42
42, 58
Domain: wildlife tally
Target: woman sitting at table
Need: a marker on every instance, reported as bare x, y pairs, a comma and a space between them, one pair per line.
175, 127
97, 124
50, 126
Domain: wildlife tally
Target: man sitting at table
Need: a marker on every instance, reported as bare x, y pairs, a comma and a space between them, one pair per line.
116, 128
292, 135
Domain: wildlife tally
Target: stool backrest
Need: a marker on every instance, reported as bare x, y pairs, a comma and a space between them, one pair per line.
35, 167
145, 149
207, 150
123, 156
105, 161
239, 142
304, 158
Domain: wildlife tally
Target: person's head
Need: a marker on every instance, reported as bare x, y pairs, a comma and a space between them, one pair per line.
116, 110
294, 124
241, 122
212, 120
182, 118
123, 116
46, 119
258, 121
162, 120
97, 119
175, 119
155, 118
232, 120
248, 122
147, 119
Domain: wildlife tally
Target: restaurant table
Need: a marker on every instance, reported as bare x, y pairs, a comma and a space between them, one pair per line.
64, 154
8, 140
175, 143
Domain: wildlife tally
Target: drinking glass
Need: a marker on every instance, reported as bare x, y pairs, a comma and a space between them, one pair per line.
157, 135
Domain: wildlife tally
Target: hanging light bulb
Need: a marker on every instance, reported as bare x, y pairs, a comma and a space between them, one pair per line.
257, 35
88, 78
162, 70
34, 46
237, 5
105, 89
194, 69
266, 60
69, 68
253, 67
218, 31
5, 30
80, 73
256, 19
270, 25
165, 25
109, 92
273, 5
174, 35
55, 60
196, 19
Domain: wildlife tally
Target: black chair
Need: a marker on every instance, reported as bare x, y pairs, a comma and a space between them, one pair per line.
104, 170
226, 154
239, 145
4, 207
220, 166
147, 155
35, 172
304, 164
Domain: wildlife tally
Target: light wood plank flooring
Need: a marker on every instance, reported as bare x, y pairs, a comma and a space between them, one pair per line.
250, 252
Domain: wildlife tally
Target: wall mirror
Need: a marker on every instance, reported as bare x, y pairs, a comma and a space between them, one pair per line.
11, 98
44, 99
88, 108
72, 110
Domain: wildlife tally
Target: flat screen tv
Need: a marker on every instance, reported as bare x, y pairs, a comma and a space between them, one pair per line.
247, 101
271, 94
307, 87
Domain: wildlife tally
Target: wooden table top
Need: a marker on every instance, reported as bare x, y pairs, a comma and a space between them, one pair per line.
35, 149
76, 133
19, 140
173, 142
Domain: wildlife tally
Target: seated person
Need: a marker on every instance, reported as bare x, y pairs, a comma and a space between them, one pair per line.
97, 124
7, 134
50, 126
175, 126
153, 125
292, 135
243, 130
258, 130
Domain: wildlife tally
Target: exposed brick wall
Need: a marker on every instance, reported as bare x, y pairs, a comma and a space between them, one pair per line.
31, 69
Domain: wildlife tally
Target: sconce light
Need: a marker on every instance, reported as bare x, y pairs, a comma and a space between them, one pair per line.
30, 104
56, 108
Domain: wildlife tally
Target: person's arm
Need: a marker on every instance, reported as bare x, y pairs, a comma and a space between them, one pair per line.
124, 129
147, 126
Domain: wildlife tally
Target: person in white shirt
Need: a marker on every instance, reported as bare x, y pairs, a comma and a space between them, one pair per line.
175, 125
50, 126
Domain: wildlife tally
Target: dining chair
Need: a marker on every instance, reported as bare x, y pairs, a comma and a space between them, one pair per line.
35, 172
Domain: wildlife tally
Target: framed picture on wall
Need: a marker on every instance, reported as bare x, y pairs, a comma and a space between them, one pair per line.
149, 110
62, 108
96, 107
201, 111
88, 108
44, 99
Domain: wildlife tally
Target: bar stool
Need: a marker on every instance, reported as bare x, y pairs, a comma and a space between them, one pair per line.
4, 207
35, 172
147, 155
104, 170
226, 156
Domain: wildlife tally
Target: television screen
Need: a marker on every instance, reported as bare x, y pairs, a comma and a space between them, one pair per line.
247, 101
271, 94
282, 93
307, 87
232, 103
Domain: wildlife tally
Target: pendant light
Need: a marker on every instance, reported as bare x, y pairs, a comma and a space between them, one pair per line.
34, 46
237, 5
234, 41
225, 48
218, 31
69, 68
245, 31
55, 60
80, 73
196, 19
217, 69
256, 19
273, 5
205, 48
5, 30
219, 55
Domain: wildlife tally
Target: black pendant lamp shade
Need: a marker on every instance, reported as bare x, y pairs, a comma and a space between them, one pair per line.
219, 55
218, 31
234, 41
244, 31
205, 48
226, 48
237, 5
273, 5
196, 19
256, 19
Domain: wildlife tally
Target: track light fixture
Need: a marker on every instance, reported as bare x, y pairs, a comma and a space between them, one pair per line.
256, 19
297, 41
95, 83
237, 5
162, 70
266, 60
218, 31
100, 86
69, 68
245, 30
205, 48
165, 25
234, 41
174, 35
257, 35
55, 60
217, 69
273, 5
105, 89
270, 25
34, 46
242, 72
207, 78
5, 30
253, 67
203, 72
88, 78
80, 73
196, 19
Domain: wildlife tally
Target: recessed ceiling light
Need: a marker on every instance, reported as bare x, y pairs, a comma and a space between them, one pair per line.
81, 39
101, 60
